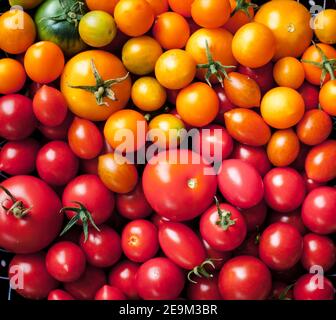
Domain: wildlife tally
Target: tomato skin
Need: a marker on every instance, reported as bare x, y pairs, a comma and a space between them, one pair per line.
109, 293
181, 7
320, 162
255, 216
13, 76
204, 289
104, 5
215, 235
311, 184
306, 288
284, 189
238, 18
249, 247
318, 210
181, 184
289, 72
310, 95
57, 133
56, 164
16, 112
37, 281
59, 295
65, 261
139, 240
181, 245
284, 252
18, 157
247, 127
327, 97
240, 183
245, 278
42, 223
218, 257
102, 248
167, 283
318, 250
224, 104
325, 26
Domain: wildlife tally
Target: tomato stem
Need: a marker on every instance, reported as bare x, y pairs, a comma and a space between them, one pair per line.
200, 271
225, 221
283, 294
243, 5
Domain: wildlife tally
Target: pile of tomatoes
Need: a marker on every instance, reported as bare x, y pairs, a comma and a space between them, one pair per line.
245, 211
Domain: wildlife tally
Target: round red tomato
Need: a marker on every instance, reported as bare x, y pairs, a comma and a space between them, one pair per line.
310, 95
311, 184
224, 104
255, 216
204, 289
57, 133
109, 293
59, 295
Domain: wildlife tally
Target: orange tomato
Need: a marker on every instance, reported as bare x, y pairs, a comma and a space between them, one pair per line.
289, 72
159, 6
197, 104
117, 175
134, 17
181, 7
44, 62
325, 26
282, 107
327, 97
12, 75
171, 30
283, 147
17, 31
290, 23
104, 5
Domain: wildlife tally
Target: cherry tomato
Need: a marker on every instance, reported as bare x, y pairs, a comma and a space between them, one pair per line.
158, 6
204, 289
224, 104
104, 5
57, 133
250, 246
289, 72
109, 293
310, 95
311, 184
217, 257
13, 76
59, 295
255, 216
181, 7
324, 24
327, 97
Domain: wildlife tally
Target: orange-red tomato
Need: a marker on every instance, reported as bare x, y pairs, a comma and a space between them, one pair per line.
181, 7
314, 127
325, 26
159, 6
289, 72
327, 97
247, 127
171, 30
104, 5
12, 75
283, 147
44, 62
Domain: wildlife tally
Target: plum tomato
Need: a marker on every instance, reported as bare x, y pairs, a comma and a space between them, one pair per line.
57, 133
204, 289
59, 294
109, 293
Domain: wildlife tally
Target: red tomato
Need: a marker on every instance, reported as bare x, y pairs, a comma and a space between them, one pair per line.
18, 157
65, 261
310, 95
56, 164
280, 246
281, 291
16, 117
217, 257
204, 289
185, 183
240, 183
311, 184
30, 269
159, 279
35, 220
57, 133
109, 293
250, 247
245, 278
59, 295
284, 189
224, 104
318, 210
139, 240
255, 216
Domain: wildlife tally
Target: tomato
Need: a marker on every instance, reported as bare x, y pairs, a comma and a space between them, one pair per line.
224, 104
185, 182
255, 216
284, 189
59, 295
25, 4
310, 95
171, 30
211, 50
17, 117
217, 257
148, 94
289, 72
57, 133
315, 61
320, 162
31, 269
97, 28
247, 127
87, 285
18, 157
167, 283
158, 6
89, 103
325, 26
129, 124
104, 5
318, 210
308, 287
210, 13
245, 278
280, 246
109, 293
56, 164
311, 184
327, 97
102, 248
290, 23
17, 31
175, 69
282, 107
223, 227
140, 54
134, 17
181, 7
118, 176
250, 246
318, 250
65, 261
35, 220
283, 147
281, 291
13, 76
204, 289
49, 106
123, 277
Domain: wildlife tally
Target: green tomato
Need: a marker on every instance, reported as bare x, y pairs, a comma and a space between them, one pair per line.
97, 28
25, 4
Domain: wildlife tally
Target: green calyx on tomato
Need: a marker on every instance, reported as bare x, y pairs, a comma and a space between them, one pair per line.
225, 221
83, 215
214, 68
200, 271
102, 88
243, 5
